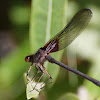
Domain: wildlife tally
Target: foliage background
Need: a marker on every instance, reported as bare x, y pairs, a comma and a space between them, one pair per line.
24, 29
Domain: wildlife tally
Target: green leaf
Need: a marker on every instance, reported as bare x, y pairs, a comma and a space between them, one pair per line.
32, 92
95, 73
46, 20
22, 13
13, 65
69, 96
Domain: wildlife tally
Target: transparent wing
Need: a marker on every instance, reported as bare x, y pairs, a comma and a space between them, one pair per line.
70, 32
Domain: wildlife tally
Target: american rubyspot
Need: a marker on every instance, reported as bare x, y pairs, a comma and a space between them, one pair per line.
59, 42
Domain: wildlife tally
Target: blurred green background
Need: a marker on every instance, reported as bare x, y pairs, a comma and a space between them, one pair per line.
25, 26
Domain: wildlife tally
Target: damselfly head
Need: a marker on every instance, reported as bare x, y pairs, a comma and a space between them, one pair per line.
27, 58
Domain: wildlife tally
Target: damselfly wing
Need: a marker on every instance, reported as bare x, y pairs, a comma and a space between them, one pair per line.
70, 32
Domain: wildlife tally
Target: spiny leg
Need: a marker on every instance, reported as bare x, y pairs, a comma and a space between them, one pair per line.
36, 84
43, 70
48, 83
28, 74
29, 71
48, 78
34, 77
38, 71
39, 79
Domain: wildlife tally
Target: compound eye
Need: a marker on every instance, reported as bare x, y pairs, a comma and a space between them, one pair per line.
27, 59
